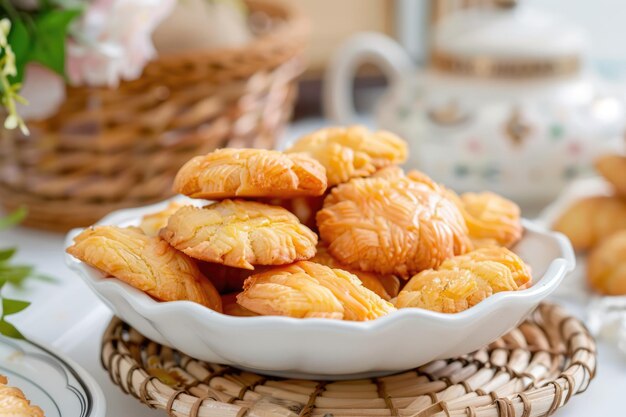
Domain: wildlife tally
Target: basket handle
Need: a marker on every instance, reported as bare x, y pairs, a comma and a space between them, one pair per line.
370, 47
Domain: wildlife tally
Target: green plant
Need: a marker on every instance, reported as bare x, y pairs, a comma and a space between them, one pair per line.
14, 274
32, 35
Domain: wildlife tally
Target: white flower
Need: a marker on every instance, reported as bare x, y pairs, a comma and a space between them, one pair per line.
112, 40
9, 63
5, 28
11, 121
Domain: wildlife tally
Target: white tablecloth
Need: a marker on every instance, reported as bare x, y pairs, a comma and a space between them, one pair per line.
66, 315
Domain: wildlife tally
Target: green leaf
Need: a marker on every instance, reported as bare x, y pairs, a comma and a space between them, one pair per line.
10, 306
14, 273
6, 254
13, 218
51, 31
20, 41
44, 278
9, 330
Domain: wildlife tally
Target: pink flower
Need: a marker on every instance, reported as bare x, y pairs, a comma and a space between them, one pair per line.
112, 40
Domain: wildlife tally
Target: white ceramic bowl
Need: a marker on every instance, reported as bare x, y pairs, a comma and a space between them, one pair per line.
331, 349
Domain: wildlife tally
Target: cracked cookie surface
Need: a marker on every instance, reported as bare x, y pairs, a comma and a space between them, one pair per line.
240, 233
147, 263
351, 152
490, 218
463, 281
308, 289
386, 286
229, 173
391, 224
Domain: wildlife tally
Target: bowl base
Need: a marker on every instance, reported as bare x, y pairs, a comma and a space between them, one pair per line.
319, 377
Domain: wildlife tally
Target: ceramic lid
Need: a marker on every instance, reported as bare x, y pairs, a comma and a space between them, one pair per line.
508, 31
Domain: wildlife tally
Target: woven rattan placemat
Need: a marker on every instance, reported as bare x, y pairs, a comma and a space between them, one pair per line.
531, 371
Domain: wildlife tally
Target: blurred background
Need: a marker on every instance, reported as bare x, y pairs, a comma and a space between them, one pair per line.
518, 97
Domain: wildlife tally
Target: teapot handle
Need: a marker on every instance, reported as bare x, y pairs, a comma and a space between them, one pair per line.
370, 47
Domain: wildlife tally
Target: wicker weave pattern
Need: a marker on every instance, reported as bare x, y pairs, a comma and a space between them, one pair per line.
532, 371
107, 149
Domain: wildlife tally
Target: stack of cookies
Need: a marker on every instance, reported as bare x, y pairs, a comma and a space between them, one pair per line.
598, 225
330, 228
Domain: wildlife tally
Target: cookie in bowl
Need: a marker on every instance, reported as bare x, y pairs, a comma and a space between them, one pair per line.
351, 152
230, 173
147, 263
463, 281
240, 233
307, 290
391, 225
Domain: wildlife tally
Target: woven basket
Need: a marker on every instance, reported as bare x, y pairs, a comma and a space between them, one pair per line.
107, 149
532, 371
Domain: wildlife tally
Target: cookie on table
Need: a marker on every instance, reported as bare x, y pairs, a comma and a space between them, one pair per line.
13, 402
386, 286
351, 152
147, 263
240, 233
396, 226
490, 218
463, 281
230, 173
308, 289
589, 221
606, 265
613, 169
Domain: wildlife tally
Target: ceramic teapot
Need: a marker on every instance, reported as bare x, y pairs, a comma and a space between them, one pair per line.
506, 104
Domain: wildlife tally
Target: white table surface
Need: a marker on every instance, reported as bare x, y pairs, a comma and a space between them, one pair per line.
66, 315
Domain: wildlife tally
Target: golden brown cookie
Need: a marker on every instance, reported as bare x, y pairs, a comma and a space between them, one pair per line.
489, 218
351, 152
391, 226
308, 289
240, 233
613, 169
229, 173
231, 308
152, 223
13, 402
463, 281
588, 221
386, 286
606, 265
147, 263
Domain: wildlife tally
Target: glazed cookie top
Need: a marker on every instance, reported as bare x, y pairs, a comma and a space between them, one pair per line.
240, 233
391, 225
491, 220
145, 262
229, 173
308, 289
351, 152
463, 281
386, 286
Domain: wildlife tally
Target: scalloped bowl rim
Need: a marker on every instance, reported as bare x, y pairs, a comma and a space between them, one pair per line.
149, 307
